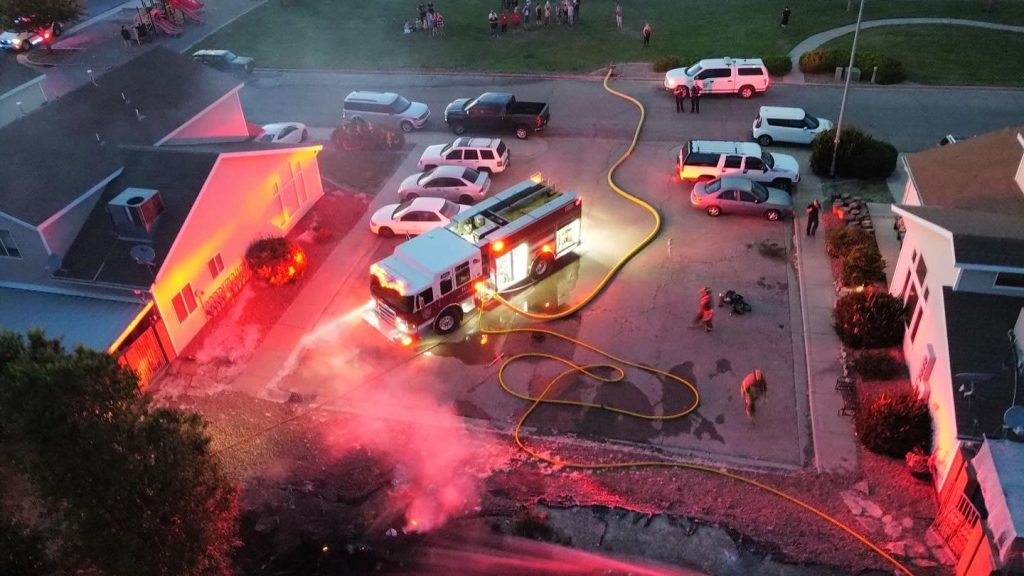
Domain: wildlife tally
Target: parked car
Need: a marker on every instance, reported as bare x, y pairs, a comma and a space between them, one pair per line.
781, 124
462, 185
494, 111
414, 216
28, 32
224, 60
707, 159
484, 154
743, 76
385, 109
735, 195
284, 133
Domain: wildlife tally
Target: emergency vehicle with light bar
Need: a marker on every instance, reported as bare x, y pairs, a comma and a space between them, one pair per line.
433, 281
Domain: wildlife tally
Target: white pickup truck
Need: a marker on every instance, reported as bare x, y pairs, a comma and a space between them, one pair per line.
743, 76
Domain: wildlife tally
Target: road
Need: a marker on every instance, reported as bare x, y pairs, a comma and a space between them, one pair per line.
912, 119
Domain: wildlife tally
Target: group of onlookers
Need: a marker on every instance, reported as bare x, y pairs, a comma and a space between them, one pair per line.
427, 20
525, 15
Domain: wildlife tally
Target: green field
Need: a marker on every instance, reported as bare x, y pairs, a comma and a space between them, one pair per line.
947, 54
366, 35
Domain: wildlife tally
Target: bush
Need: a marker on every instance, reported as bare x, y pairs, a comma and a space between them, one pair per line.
666, 63
894, 423
825, 61
860, 155
862, 266
276, 260
821, 61
841, 240
869, 319
877, 366
778, 65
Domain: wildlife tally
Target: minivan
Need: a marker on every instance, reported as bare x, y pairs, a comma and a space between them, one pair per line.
781, 124
385, 109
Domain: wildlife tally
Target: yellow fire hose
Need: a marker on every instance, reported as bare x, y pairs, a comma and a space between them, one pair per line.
617, 371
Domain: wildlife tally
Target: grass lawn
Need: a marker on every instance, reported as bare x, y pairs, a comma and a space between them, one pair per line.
947, 54
367, 35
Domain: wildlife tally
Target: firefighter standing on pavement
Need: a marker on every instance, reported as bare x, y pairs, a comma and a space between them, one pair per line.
753, 388
680, 93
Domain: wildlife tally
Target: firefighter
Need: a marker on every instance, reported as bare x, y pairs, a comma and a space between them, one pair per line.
753, 388
705, 304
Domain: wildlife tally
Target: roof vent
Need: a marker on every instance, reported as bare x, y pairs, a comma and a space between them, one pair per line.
134, 212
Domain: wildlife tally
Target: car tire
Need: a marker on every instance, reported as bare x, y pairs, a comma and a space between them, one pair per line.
764, 140
782, 184
773, 215
466, 199
541, 266
522, 132
458, 128
486, 169
385, 232
248, 68
305, 135
746, 92
448, 320
407, 127
714, 211
429, 167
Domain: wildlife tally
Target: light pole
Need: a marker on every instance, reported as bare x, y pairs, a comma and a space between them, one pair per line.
846, 89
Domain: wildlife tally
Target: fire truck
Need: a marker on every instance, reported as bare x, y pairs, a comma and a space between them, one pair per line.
433, 281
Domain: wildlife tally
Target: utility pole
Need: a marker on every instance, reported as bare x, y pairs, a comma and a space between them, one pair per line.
846, 89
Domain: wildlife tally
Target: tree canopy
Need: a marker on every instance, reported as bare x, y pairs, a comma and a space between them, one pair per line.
129, 488
45, 10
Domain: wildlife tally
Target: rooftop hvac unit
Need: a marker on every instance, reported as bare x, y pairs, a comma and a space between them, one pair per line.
134, 212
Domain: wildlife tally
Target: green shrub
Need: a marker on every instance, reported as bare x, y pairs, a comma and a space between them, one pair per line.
877, 366
276, 260
869, 319
894, 423
778, 65
841, 240
864, 265
821, 61
890, 70
860, 155
666, 63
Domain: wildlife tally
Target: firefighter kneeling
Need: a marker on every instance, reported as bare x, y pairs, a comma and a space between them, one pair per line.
753, 388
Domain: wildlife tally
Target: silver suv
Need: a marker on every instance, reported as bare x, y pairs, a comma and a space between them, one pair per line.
385, 109
703, 160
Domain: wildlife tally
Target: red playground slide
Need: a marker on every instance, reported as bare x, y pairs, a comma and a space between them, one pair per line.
190, 14
165, 25
193, 5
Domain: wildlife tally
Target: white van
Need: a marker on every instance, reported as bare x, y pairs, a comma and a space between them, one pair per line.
780, 124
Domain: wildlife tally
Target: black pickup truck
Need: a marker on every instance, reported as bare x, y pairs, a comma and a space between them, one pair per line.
496, 111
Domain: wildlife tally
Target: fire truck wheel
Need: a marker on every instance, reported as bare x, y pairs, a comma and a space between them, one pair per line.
448, 321
541, 266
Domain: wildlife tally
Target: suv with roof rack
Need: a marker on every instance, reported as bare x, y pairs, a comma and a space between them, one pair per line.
743, 76
483, 154
708, 159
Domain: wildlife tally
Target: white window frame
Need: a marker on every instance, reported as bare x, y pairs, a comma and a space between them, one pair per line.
8, 247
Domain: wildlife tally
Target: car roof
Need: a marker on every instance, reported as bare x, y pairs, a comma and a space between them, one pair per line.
476, 142
782, 112
209, 52
724, 147
427, 203
448, 170
727, 61
736, 183
371, 96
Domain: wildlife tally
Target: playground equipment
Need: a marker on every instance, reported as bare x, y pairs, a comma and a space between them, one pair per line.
167, 16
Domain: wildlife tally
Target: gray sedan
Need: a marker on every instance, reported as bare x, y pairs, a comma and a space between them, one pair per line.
462, 185
735, 195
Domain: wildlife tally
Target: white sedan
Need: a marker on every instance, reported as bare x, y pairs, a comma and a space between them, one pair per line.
284, 133
414, 216
463, 185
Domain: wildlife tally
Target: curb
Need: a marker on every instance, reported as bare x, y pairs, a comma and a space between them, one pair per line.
11, 92
541, 76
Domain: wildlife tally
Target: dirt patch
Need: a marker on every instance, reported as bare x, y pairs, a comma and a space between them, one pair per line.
359, 171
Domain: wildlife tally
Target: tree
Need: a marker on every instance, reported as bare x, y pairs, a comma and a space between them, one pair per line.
133, 489
22, 551
46, 11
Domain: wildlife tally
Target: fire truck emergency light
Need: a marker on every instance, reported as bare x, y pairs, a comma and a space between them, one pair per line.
498, 246
537, 177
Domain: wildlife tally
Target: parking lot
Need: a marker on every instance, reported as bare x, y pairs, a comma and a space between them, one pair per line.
645, 315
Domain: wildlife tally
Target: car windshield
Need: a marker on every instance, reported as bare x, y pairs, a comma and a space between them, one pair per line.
401, 207
501, 148
714, 185
229, 55
450, 209
811, 122
758, 190
768, 159
470, 175
268, 137
390, 296
400, 105
426, 176
693, 70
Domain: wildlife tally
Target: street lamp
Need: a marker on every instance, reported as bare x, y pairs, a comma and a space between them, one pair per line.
846, 89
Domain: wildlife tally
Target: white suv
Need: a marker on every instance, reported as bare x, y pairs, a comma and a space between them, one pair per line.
708, 159
743, 76
779, 124
483, 154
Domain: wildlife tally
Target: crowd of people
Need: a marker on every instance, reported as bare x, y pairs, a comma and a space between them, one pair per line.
526, 15
427, 20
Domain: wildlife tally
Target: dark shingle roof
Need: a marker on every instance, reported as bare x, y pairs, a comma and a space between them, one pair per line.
178, 173
55, 151
978, 237
976, 174
976, 330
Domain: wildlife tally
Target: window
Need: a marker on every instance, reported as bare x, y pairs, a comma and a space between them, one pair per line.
462, 274
922, 271
911, 302
733, 161
1003, 279
424, 298
917, 323
446, 283
470, 155
216, 266
727, 195
750, 72
454, 155
747, 197
926, 292
184, 303
754, 163
7, 246
903, 291
486, 155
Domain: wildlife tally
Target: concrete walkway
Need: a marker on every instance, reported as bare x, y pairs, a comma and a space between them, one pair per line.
795, 76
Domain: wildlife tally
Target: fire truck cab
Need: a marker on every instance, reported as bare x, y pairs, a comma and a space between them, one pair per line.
432, 281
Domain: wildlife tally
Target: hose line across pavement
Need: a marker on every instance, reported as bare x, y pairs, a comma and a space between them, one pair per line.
614, 367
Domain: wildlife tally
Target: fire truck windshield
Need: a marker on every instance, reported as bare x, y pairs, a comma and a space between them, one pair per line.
390, 296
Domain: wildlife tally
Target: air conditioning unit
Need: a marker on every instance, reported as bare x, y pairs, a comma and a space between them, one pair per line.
134, 212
